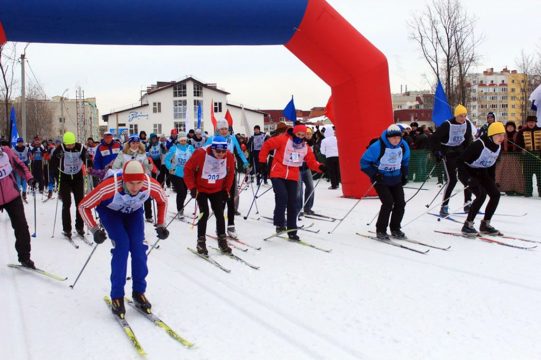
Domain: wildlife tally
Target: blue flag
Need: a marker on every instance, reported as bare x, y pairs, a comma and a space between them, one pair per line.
289, 111
199, 114
14, 132
442, 110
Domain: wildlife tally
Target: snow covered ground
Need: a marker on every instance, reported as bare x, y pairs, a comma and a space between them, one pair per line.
364, 300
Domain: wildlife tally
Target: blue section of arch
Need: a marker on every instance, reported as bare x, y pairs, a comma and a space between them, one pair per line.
152, 22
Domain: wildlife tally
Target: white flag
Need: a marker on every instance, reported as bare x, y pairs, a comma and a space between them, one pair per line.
246, 124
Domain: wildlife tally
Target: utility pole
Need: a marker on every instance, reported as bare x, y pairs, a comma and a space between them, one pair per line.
23, 95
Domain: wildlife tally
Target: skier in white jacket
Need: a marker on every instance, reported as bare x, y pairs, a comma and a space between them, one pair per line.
329, 148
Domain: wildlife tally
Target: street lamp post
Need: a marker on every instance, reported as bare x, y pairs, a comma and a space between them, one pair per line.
62, 112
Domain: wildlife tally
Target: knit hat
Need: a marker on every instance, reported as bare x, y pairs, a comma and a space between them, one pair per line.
393, 130
174, 131
491, 114
496, 128
222, 124
20, 140
299, 129
134, 138
69, 138
531, 118
198, 131
133, 171
461, 110
182, 135
219, 142
152, 135
512, 123
281, 126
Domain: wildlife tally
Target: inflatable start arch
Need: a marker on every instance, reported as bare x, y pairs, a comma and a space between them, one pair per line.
317, 34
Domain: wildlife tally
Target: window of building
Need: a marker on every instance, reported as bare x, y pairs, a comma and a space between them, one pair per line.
494, 106
473, 91
134, 129
156, 107
513, 98
157, 128
504, 114
512, 89
513, 106
474, 98
180, 125
504, 89
474, 107
504, 97
179, 109
282, 118
493, 98
513, 81
197, 90
179, 90
504, 106
217, 107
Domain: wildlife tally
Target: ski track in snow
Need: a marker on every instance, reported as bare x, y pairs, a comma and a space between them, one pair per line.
365, 300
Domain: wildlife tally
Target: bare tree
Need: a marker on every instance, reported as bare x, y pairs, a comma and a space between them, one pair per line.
445, 33
8, 61
38, 112
530, 65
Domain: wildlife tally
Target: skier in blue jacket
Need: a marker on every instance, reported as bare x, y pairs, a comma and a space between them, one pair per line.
386, 162
174, 161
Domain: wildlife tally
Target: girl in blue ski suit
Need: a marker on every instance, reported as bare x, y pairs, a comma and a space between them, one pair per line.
175, 160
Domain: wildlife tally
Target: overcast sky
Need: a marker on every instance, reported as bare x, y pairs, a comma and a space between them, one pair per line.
266, 76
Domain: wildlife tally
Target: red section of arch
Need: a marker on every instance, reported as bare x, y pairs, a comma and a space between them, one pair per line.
3, 37
358, 75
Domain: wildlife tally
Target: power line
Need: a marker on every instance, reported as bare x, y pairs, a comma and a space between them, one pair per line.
36, 80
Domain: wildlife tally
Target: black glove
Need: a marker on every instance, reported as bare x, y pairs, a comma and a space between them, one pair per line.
193, 192
262, 169
31, 182
163, 233
438, 155
378, 177
322, 168
99, 236
404, 179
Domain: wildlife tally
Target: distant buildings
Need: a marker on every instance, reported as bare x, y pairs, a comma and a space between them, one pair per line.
174, 105
413, 106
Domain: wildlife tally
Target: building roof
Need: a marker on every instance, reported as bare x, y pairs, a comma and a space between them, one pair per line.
162, 85
240, 107
105, 117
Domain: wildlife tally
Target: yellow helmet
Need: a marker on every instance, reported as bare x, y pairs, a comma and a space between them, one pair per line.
496, 128
461, 110
69, 138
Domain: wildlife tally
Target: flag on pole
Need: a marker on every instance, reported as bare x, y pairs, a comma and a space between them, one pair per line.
442, 110
329, 109
14, 132
229, 118
212, 117
199, 114
289, 111
245, 123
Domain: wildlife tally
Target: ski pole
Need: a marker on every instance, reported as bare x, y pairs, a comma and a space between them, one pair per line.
424, 182
35, 216
527, 151
56, 206
355, 205
438, 204
435, 197
308, 198
84, 266
253, 201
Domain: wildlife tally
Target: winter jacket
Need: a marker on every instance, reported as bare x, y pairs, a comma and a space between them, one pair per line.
198, 143
193, 172
8, 184
285, 169
471, 158
371, 160
233, 146
127, 155
529, 139
329, 145
58, 162
440, 139
156, 151
106, 154
177, 157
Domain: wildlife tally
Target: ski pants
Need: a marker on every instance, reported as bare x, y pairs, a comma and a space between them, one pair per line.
127, 232
285, 196
230, 202
15, 210
306, 182
333, 169
217, 203
392, 201
481, 187
21, 182
451, 167
67, 187
181, 189
37, 174
256, 168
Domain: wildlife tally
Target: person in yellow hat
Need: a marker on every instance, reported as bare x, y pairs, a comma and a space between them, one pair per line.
67, 163
480, 165
449, 141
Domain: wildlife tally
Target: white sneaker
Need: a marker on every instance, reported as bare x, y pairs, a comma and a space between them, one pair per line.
231, 232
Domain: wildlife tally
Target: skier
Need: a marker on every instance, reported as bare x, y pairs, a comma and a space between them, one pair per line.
233, 147
209, 175
386, 162
254, 145
175, 160
155, 151
67, 160
21, 150
106, 154
198, 140
119, 202
329, 148
36, 164
529, 139
10, 200
448, 143
480, 164
291, 151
